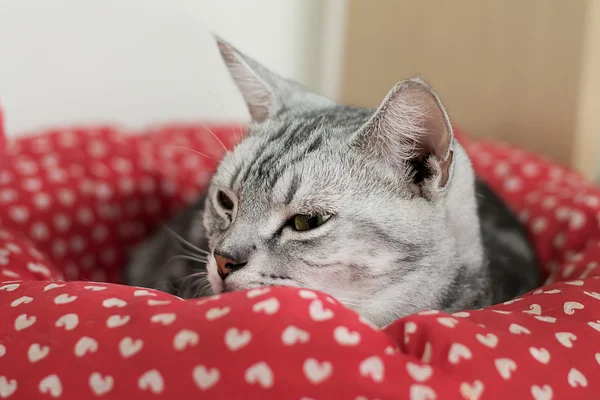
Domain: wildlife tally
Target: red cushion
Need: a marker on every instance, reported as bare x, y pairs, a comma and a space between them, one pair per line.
84, 196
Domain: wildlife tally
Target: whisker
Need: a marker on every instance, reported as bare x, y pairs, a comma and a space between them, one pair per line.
216, 137
204, 155
241, 134
195, 274
195, 151
191, 258
183, 241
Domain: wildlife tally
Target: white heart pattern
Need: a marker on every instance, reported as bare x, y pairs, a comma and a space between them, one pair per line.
129, 347
595, 325
184, 339
51, 385
409, 328
571, 306
236, 339
205, 378
565, 338
101, 385
115, 321
10, 287
593, 294
113, 302
216, 313
307, 294
143, 292
575, 283
427, 353
421, 392
459, 352
95, 288
37, 352
7, 387
64, 299
490, 340
260, 373
51, 286
292, 335
447, 321
471, 391
505, 367
317, 372
164, 319
545, 318
85, 345
509, 302
534, 309
576, 378
390, 350
552, 291
257, 292
345, 337
38, 268
153, 302
541, 392
429, 312
372, 367
517, 329
68, 321
419, 373
269, 306
461, 314
152, 380
21, 300
541, 354
317, 312
24, 322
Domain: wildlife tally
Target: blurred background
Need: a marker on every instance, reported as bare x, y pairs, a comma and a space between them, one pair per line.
523, 71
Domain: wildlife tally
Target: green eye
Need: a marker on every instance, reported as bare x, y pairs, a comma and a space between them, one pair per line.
308, 222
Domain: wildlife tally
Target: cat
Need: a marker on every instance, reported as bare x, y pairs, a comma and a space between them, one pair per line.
379, 208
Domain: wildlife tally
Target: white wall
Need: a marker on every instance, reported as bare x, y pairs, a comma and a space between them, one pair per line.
138, 62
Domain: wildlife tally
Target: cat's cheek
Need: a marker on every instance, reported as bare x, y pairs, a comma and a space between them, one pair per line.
216, 283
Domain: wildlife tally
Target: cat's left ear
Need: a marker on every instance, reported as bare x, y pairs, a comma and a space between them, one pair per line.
412, 131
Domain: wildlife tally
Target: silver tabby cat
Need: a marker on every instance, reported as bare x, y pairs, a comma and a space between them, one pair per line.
378, 208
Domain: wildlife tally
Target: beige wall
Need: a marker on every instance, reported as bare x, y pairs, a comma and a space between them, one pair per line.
509, 69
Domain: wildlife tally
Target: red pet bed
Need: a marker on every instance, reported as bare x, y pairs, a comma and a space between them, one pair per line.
74, 201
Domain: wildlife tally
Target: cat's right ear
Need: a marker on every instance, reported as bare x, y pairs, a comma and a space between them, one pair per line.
266, 93
252, 79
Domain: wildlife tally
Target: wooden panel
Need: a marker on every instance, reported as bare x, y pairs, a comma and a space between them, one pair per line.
504, 68
587, 137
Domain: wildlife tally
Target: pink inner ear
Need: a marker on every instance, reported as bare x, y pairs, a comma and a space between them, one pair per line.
436, 136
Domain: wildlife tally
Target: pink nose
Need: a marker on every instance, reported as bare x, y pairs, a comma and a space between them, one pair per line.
224, 265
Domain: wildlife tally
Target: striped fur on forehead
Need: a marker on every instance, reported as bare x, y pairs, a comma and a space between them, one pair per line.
284, 142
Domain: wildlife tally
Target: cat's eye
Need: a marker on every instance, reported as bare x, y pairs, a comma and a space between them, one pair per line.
308, 222
224, 200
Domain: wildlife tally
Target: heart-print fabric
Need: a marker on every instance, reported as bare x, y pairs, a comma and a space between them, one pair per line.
73, 201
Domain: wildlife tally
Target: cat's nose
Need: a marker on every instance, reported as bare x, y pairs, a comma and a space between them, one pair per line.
225, 265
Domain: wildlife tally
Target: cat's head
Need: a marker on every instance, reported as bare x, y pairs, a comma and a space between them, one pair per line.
366, 205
